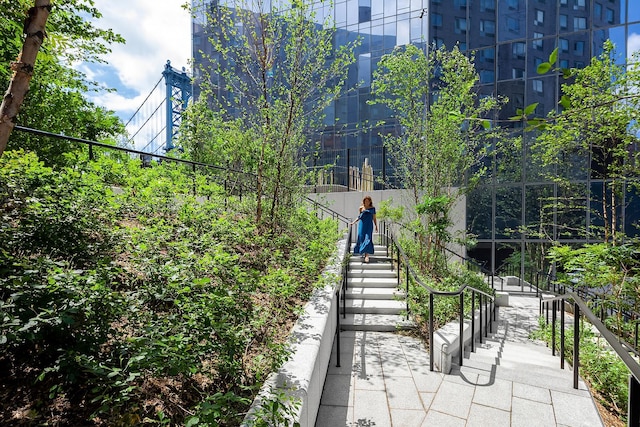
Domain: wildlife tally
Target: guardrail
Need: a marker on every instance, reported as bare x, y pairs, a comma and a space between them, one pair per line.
485, 299
622, 349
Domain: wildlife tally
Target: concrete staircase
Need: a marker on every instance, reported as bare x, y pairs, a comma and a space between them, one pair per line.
373, 300
509, 354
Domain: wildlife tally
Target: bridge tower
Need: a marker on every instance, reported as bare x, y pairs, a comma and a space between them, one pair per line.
178, 93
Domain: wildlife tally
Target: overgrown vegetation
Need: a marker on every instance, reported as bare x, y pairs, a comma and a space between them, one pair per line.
127, 300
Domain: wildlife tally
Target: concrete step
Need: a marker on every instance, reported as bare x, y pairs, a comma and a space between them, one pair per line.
551, 376
373, 306
373, 264
374, 322
372, 273
374, 293
381, 282
529, 359
512, 350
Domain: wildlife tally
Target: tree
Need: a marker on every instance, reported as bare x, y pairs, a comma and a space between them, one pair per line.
34, 28
275, 68
596, 130
441, 141
56, 99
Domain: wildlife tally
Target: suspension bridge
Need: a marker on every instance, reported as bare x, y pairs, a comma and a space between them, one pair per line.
153, 127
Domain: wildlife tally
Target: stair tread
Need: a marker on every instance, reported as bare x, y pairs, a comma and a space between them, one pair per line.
375, 322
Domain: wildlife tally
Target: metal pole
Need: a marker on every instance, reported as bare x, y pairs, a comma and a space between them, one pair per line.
431, 332
561, 334
576, 344
633, 419
553, 329
461, 328
473, 321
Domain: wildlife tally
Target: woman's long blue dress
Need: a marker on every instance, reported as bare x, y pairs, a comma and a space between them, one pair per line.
364, 245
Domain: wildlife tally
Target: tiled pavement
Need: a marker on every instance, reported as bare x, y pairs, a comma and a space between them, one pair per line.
384, 380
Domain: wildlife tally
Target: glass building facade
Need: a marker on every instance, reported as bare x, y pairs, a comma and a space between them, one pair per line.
509, 38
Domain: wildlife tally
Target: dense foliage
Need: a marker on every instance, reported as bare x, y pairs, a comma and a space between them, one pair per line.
126, 299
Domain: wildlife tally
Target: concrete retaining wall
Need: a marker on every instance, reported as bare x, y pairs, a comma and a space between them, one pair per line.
311, 341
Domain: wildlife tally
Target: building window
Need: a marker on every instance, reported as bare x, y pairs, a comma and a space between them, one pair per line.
487, 55
580, 3
537, 41
537, 44
436, 20
563, 2
517, 73
513, 25
461, 25
564, 22
487, 76
513, 4
539, 17
519, 49
578, 48
438, 42
564, 63
579, 23
597, 10
487, 5
461, 3
537, 85
564, 45
610, 16
488, 27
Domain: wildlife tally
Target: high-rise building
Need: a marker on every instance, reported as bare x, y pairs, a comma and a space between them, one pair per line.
509, 38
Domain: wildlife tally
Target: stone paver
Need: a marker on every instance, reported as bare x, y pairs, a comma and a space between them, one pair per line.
384, 381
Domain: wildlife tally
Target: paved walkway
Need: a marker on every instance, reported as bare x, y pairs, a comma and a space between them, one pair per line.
385, 380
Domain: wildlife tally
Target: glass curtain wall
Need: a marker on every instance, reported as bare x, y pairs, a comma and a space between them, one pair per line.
516, 211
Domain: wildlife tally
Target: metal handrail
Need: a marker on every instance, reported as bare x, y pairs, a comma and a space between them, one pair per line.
411, 274
616, 344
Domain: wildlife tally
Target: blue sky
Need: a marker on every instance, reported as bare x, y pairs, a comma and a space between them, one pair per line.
155, 31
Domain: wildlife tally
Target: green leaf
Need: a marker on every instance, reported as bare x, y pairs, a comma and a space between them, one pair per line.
553, 57
543, 68
486, 124
565, 102
530, 109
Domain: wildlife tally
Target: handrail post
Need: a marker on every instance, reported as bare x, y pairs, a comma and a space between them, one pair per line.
461, 328
338, 331
480, 307
576, 343
487, 316
473, 321
553, 328
431, 345
634, 398
406, 295
561, 334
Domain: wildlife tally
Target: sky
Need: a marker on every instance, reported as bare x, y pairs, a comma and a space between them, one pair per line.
155, 31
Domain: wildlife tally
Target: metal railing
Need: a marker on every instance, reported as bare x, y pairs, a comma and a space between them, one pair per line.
486, 300
622, 349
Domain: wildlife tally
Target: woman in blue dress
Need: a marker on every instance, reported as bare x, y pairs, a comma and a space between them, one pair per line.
366, 222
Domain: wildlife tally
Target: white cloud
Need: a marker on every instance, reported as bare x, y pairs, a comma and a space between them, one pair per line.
633, 43
155, 31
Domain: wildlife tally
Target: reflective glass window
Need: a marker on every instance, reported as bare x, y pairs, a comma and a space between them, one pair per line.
461, 25
564, 22
487, 5
488, 27
539, 17
578, 48
436, 20
579, 23
508, 212
403, 32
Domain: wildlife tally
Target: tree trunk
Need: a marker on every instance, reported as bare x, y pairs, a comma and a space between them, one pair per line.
34, 28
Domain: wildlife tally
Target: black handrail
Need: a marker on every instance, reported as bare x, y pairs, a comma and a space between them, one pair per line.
619, 346
411, 274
